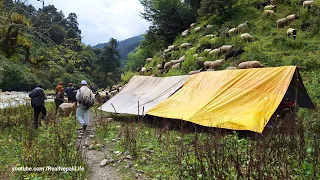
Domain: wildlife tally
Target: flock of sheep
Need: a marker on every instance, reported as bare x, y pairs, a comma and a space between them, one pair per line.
106, 94
228, 51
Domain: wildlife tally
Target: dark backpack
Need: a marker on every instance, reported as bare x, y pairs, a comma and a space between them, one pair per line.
85, 100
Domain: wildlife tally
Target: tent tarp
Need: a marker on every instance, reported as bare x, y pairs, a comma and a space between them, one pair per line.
232, 99
149, 91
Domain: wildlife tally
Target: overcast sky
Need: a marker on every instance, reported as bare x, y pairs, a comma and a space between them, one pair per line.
100, 20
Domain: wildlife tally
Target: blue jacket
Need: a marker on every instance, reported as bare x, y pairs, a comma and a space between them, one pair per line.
37, 97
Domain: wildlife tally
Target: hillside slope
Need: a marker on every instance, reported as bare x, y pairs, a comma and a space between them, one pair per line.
125, 46
270, 45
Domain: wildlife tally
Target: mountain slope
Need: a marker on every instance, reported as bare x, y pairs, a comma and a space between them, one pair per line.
125, 46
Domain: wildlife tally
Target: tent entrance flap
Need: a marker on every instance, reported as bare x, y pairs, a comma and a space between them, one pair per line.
232, 99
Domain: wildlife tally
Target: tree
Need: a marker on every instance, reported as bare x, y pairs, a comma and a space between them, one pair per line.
210, 7
72, 23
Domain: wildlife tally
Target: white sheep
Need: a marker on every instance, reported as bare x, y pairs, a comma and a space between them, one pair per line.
216, 64
209, 35
292, 17
206, 64
195, 55
269, 12
167, 65
270, 7
215, 52
173, 62
292, 32
250, 64
185, 33
307, 3
181, 59
207, 50
143, 70
148, 60
185, 45
192, 25
242, 26
247, 37
176, 66
172, 47
166, 50
197, 29
281, 22
226, 48
209, 26
232, 31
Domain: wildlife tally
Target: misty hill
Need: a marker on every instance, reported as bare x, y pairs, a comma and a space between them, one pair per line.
125, 46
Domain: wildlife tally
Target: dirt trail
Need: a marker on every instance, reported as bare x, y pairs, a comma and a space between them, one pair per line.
94, 157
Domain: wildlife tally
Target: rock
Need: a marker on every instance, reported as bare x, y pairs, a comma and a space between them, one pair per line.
117, 152
103, 162
91, 136
79, 137
81, 134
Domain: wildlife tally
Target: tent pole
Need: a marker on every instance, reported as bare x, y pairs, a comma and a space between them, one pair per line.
138, 110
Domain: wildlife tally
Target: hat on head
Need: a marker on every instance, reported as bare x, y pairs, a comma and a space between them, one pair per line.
84, 82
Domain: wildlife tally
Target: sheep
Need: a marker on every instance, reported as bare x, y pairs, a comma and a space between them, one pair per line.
138, 69
176, 66
269, 12
202, 47
102, 97
181, 59
281, 22
263, 4
195, 55
167, 65
153, 75
160, 66
185, 33
148, 60
194, 72
242, 26
233, 53
215, 52
185, 45
232, 31
143, 70
231, 68
247, 37
66, 109
149, 69
197, 29
270, 7
206, 64
209, 26
307, 3
173, 62
209, 35
304, 26
172, 47
216, 64
292, 17
207, 50
166, 50
226, 48
250, 64
192, 25
292, 32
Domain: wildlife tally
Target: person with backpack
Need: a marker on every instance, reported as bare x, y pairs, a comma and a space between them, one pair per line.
37, 102
59, 99
69, 92
85, 99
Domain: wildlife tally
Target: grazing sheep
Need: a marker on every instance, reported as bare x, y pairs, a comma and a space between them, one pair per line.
231, 68
209, 26
173, 47
262, 4
247, 37
281, 22
206, 64
250, 64
173, 62
138, 69
307, 3
160, 66
226, 48
195, 55
207, 50
209, 35
215, 52
270, 7
143, 70
216, 64
197, 29
167, 65
185, 33
242, 26
304, 26
102, 97
194, 72
232, 31
192, 25
154, 75
149, 69
185, 45
292, 17
292, 32
269, 12
181, 59
233, 53
148, 60
176, 66
166, 50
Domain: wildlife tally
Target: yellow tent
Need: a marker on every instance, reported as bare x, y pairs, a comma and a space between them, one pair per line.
232, 99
